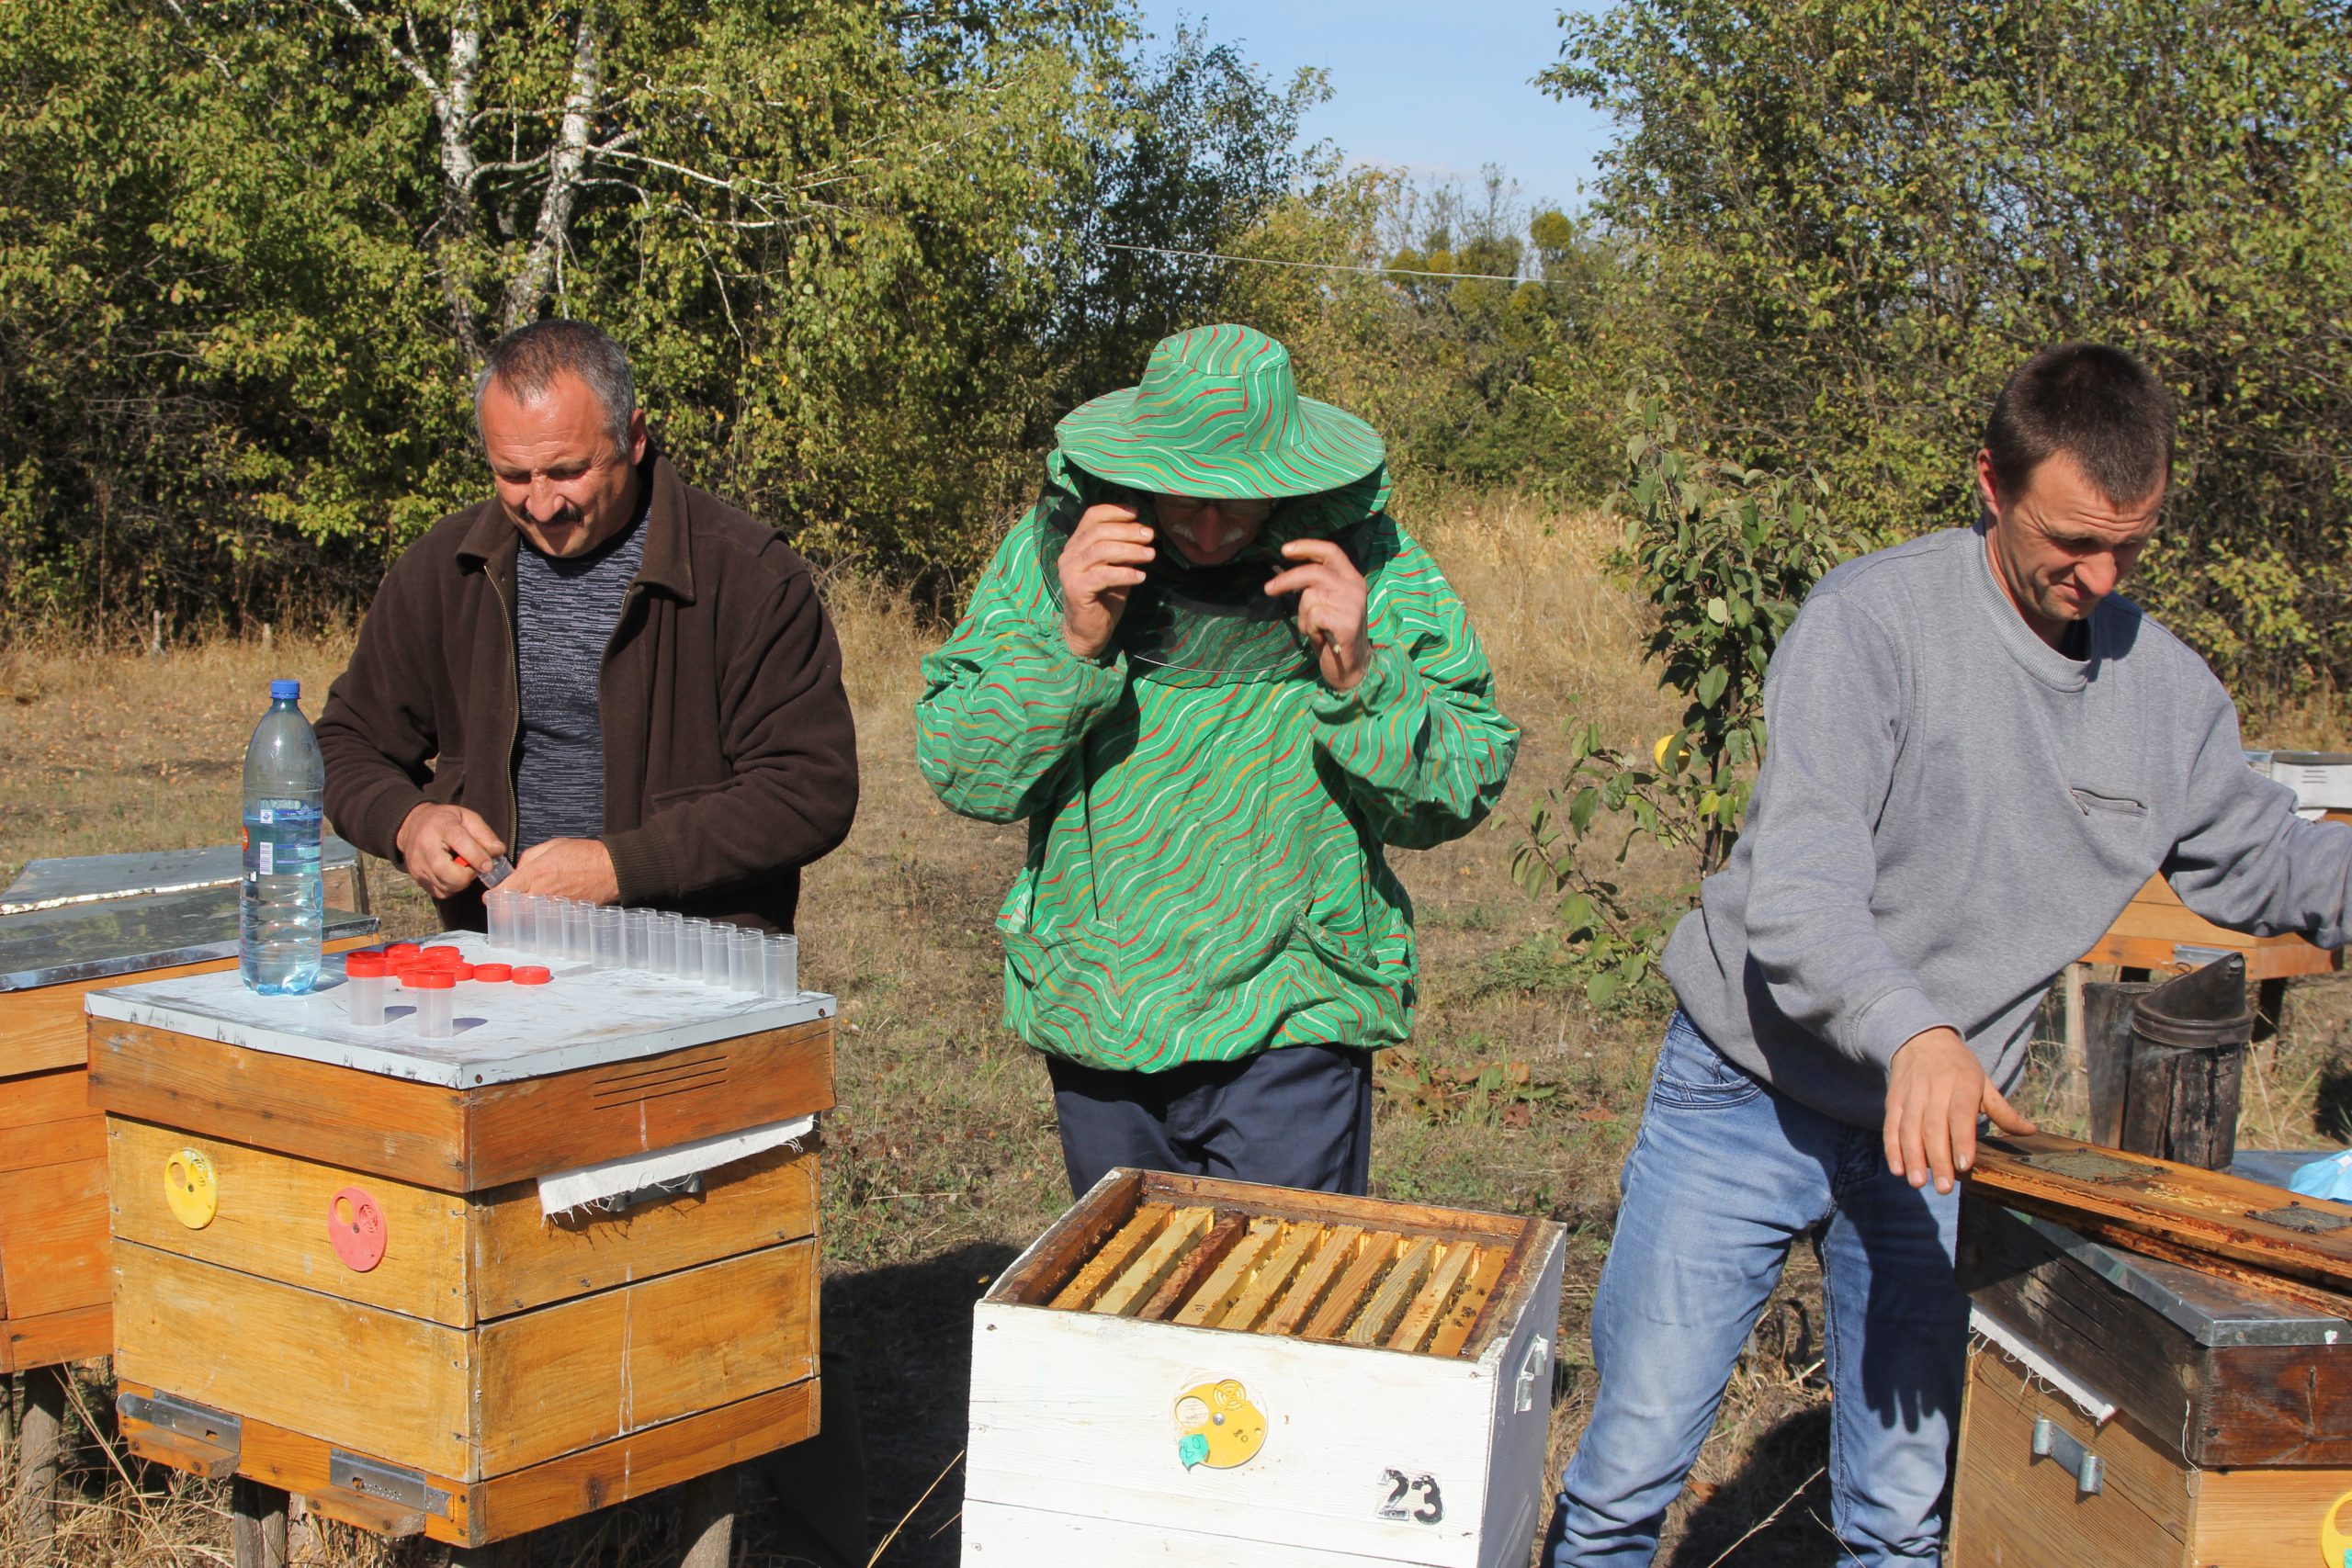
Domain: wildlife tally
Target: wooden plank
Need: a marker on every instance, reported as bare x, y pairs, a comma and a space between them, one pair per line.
1125, 1296
1445, 1283
82, 1333
1041, 1272
1454, 1324
523, 1260
1380, 1315
1337, 1252
2210, 1212
2011, 1508
1224, 1286
1510, 1280
78, 1137
1266, 1285
520, 1131
372, 1381
2224, 1405
2265, 1516
384, 1126
584, 1372
45, 1028
1095, 1275
643, 1462
272, 1222
54, 1096
1224, 1235
1333, 1209
2145, 935
53, 1238
1347, 1297
459, 1140
297, 1463
2309, 1297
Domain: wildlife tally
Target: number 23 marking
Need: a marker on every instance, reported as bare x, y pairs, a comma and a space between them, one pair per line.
1399, 1503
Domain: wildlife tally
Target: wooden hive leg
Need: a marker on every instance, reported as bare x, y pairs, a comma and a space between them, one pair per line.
257, 1524
40, 1454
706, 1507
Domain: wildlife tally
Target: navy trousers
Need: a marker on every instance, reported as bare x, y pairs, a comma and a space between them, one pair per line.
1294, 1116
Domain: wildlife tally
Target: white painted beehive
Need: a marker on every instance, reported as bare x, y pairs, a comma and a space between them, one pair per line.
1183, 1370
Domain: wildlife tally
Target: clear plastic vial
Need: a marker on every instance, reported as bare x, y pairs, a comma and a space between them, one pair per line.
434, 994
365, 980
282, 902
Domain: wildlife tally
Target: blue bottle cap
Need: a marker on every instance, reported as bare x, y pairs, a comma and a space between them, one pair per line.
284, 691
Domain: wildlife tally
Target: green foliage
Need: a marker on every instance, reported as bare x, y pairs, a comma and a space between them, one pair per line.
1852, 220
1724, 553
1472, 381
251, 251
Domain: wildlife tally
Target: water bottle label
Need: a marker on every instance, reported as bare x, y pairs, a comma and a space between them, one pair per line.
282, 838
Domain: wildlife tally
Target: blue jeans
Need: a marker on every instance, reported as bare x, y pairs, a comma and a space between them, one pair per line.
1726, 1173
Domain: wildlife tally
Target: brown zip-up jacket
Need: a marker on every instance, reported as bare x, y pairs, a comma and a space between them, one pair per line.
730, 758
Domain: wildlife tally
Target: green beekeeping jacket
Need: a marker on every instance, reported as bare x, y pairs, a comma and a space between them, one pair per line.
1204, 875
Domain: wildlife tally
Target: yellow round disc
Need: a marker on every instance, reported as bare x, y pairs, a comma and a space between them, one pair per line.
2334, 1539
1217, 1426
190, 1187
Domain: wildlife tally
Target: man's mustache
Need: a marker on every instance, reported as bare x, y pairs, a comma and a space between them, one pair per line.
565, 515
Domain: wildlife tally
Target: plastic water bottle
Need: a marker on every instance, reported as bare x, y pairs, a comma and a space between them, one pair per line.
284, 903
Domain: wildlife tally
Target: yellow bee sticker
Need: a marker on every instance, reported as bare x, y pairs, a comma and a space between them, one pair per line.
2334, 1540
1217, 1426
191, 1188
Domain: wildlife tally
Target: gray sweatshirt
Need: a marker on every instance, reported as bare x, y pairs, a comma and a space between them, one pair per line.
1950, 811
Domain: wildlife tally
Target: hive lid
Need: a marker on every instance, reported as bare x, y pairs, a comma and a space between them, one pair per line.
586, 1017
84, 879
92, 940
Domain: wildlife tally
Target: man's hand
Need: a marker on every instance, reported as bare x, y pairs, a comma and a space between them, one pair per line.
1103, 562
1330, 608
441, 845
566, 868
1934, 1094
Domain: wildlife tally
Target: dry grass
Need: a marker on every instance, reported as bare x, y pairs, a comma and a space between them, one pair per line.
942, 1159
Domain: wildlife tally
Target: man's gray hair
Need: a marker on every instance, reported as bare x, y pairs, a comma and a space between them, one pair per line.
527, 360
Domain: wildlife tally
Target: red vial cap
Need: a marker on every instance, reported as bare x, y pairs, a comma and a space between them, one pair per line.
531, 974
491, 974
400, 950
442, 956
429, 980
457, 971
364, 965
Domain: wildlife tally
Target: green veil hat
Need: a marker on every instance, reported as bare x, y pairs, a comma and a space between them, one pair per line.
1218, 415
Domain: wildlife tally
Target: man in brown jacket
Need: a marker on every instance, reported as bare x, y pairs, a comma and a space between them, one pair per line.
613, 677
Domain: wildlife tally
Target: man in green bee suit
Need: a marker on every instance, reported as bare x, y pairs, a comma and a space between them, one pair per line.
1215, 679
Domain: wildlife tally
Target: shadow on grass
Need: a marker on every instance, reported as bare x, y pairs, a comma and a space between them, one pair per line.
906, 1330
1775, 1477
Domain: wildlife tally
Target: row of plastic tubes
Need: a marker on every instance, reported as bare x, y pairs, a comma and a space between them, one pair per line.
686, 947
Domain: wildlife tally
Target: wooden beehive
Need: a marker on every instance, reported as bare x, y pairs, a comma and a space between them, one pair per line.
53, 1280
489, 1370
1185, 1368
2213, 1411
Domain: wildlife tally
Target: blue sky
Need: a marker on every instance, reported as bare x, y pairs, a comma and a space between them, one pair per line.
1437, 89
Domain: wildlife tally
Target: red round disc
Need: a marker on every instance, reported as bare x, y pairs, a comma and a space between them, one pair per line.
531, 974
493, 973
356, 1229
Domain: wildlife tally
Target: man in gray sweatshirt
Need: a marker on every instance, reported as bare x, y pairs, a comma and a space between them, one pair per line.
1978, 752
